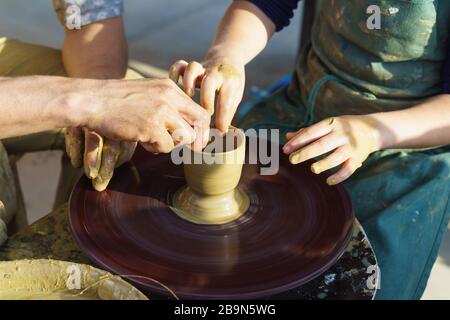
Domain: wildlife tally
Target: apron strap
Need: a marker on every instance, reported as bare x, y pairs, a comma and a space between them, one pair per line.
311, 102
309, 118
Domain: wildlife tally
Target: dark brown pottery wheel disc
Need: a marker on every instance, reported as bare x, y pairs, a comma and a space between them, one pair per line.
295, 228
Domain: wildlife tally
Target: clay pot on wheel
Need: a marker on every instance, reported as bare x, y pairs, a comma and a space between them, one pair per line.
211, 195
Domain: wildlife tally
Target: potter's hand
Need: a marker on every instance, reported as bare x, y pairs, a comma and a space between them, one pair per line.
349, 139
155, 113
215, 78
96, 51
99, 156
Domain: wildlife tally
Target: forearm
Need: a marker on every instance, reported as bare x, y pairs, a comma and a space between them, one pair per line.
242, 33
422, 126
97, 51
38, 103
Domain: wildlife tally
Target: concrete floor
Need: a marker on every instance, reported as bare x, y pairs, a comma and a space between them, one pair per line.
160, 36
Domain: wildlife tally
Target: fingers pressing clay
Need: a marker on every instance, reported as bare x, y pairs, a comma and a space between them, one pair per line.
226, 105
201, 136
192, 73
177, 69
110, 155
193, 113
199, 120
210, 85
93, 145
74, 145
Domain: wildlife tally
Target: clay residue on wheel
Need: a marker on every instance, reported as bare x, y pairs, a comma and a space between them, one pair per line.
45, 279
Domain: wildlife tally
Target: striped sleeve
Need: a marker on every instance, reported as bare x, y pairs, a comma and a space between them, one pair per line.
279, 11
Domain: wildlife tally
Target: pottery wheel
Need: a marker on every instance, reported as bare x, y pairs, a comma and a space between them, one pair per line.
295, 228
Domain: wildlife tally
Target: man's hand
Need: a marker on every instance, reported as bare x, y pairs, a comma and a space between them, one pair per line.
349, 140
223, 82
155, 113
96, 51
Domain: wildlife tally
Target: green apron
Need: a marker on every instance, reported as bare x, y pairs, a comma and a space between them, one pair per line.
401, 197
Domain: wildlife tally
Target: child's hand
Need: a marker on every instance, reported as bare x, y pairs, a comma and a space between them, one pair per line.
215, 78
348, 139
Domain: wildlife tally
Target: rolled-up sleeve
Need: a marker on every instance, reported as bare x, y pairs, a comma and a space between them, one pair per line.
88, 11
279, 11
